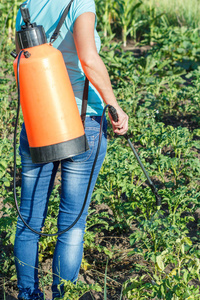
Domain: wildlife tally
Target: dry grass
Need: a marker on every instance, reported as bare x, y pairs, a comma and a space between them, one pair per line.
183, 12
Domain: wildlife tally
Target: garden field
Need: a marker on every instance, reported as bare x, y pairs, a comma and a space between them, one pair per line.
132, 250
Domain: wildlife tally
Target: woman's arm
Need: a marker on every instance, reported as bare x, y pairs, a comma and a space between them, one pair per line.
94, 67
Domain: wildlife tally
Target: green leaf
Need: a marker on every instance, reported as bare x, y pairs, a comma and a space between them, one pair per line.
14, 277
187, 240
4, 164
160, 263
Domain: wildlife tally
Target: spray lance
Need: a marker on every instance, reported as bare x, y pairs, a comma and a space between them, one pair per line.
54, 128
114, 115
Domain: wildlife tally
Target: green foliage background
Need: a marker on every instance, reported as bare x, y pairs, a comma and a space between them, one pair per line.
160, 91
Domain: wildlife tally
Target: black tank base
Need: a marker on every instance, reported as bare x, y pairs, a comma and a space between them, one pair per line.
59, 151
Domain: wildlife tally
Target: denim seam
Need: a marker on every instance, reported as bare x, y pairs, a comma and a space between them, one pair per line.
83, 161
92, 128
88, 157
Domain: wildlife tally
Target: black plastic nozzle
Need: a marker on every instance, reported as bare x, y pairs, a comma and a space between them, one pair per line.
157, 196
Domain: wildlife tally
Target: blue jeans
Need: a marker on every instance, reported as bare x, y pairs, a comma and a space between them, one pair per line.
37, 184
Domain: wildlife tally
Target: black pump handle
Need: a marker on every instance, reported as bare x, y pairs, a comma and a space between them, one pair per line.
25, 14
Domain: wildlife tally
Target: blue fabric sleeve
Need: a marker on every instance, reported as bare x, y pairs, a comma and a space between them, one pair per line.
79, 7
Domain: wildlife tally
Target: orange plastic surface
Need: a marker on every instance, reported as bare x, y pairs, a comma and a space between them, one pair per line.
48, 104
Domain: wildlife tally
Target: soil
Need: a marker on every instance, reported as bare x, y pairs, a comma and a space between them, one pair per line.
120, 266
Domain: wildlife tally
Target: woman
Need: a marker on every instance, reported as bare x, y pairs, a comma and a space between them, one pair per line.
79, 43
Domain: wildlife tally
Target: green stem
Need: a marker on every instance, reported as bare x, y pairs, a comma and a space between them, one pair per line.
124, 35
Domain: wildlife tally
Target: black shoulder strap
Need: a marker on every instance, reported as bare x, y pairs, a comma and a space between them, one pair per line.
57, 30
84, 101
86, 86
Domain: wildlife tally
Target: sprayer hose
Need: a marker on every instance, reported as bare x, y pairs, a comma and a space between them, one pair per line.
15, 168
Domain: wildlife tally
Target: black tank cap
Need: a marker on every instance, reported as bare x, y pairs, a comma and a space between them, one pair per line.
31, 34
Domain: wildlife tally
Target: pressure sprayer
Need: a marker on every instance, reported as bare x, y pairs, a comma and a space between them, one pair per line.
53, 124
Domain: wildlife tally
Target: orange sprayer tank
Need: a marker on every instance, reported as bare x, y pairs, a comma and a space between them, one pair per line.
52, 120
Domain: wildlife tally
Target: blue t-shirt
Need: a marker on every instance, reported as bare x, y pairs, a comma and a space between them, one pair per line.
48, 13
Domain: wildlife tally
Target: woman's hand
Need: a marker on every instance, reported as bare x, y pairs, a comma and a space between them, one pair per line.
121, 126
